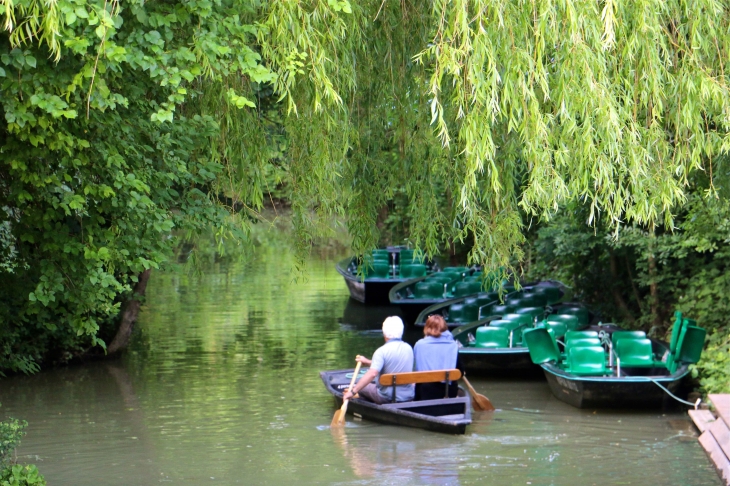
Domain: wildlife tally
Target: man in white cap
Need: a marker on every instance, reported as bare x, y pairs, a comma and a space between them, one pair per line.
394, 356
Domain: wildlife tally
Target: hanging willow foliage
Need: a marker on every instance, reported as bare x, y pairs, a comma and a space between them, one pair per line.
477, 113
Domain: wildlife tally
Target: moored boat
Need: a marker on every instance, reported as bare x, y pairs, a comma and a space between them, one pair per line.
446, 415
370, 279
607, 367
414, 295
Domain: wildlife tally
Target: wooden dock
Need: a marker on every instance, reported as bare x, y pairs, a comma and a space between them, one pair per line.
715, 437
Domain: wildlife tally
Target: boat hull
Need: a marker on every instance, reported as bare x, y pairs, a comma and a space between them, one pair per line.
370, 291
612, 391
498, 361
449, 415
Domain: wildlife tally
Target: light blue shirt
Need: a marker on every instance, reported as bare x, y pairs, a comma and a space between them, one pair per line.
395, 356
436, 353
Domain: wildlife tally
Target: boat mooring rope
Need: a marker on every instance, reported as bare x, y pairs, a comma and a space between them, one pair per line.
695, 404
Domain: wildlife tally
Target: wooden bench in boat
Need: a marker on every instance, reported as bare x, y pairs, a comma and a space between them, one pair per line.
417, 377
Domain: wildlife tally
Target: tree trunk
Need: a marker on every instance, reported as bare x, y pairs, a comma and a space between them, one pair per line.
130, 311
617, 297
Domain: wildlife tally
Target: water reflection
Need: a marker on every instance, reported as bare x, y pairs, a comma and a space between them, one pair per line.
222, 386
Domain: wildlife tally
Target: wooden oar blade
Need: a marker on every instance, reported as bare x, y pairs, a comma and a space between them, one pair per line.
482, 403
338, 420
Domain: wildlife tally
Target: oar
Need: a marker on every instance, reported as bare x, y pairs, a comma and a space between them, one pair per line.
479, 402
339, 419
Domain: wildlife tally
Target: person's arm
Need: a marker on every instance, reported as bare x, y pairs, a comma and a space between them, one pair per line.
361, 383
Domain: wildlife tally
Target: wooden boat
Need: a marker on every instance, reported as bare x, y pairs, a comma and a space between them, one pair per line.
614, 368
383, 269
416, 294
446, 415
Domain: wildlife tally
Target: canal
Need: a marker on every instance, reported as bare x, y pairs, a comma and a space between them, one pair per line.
221, 386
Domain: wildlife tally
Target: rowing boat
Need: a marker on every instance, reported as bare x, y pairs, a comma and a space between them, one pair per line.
446, 415
605, 366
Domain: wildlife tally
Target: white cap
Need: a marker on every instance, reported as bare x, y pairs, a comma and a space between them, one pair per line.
393, 327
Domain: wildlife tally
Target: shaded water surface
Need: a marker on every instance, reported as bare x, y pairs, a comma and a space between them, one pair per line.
222, 387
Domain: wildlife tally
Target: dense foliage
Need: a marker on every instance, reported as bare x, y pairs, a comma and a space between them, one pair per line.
126, 121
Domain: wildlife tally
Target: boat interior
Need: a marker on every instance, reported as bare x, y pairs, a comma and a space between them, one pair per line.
614, 352
393, 262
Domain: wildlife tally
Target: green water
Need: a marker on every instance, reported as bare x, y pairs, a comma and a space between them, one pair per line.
222, 387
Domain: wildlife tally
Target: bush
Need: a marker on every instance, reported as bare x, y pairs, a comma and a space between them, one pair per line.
11, 431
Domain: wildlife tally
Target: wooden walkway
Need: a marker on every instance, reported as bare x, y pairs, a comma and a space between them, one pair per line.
715, 437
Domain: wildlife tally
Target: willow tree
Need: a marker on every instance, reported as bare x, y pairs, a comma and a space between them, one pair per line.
127, 120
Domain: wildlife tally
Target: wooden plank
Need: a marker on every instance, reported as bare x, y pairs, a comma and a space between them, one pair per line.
419, 377
722, 406
718, 458
702, 418
721, 433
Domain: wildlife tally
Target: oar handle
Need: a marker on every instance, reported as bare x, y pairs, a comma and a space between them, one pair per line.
354, 376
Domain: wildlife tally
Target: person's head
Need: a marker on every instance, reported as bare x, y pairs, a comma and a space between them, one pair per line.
435, 325
393, 328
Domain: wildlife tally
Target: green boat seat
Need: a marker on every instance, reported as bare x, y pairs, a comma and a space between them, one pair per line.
406, 256
466, 288
492, 337
690, 347
580, 312
381, 252
379, 269
570, 335
541, 345
587, 361
484, 298
521, 319
442, 277
616, 336
552, 294
515, 328
457, 270
412, 270
581, 342
428, 290
572, 322
500, 309
634, 352
463, 313
538, 312
558, 328
534, 299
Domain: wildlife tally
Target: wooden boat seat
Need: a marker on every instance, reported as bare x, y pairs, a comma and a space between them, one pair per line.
418, 377
492, 337
587, 361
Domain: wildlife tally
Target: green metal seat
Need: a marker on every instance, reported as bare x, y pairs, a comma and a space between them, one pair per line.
558, 328
691, 345
534, 299
379, 269
466, 288
542, 346
570, 335
412, 270
538, 312
463, 313
552, 294
635, 352
521, 319
515, 329
587, 361
406, 256
492, 337
442, 277
380, 252
428, 290
572, 322
580, 312
581, 342
457, 270
616, 336
500, 309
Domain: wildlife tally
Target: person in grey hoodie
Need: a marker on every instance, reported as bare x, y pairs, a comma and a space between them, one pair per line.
436, 351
